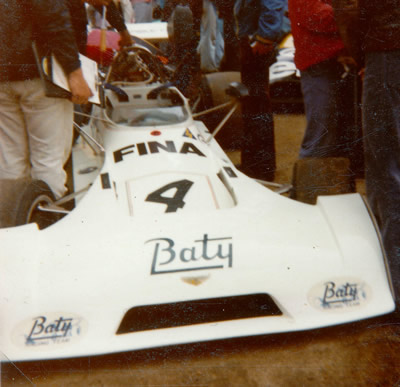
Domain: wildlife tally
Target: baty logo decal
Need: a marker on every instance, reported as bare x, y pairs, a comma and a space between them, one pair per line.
203, 254
340, 294
48, 330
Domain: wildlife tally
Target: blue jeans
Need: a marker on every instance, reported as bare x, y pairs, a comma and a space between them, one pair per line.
381, 117
329, 101
258, 143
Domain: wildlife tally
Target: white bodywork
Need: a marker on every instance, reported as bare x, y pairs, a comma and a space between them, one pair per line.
66, 289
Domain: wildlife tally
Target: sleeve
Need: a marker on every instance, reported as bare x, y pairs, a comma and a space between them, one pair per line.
114, 17
271, 19
351, 23
53, 30
316, 15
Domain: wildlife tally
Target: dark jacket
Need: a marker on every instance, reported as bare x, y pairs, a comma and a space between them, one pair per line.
196, 6
47, 23
369, 25
382, 24
261, 19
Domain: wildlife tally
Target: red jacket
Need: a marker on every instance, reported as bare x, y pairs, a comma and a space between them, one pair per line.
314, 30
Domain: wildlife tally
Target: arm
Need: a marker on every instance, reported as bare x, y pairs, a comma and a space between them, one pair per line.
115, 18
269, 26
315, 15
270, 21
348, 17
80, 91
53, 30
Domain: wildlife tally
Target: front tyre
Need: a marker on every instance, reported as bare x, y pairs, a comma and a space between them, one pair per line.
313, 177
20, 202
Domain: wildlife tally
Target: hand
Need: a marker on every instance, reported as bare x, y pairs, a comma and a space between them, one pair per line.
259, 48
126, 39
347, 60
348, 64
80, 91
361, 74
97, 3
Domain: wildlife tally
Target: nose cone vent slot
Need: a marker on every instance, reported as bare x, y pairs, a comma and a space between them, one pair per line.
210, 310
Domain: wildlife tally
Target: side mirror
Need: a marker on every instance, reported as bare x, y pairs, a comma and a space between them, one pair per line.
155, 92
121, 94
237, 90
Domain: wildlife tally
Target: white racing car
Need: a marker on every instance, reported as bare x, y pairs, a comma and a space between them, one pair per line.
169, 243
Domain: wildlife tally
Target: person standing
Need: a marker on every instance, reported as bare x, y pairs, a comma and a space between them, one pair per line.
259, 24
79, 21
124, 7
36, 131
143, 10
378, 35
211, 44
326, 80
230, 60
194, 26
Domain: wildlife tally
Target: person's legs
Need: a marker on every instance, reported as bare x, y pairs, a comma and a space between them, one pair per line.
349, 129
49, 124
231, 59
143, 12
207, 46
329, 111
14, 149
381, 119
258, 148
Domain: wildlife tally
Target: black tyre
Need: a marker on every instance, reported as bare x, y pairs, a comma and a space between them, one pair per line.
313, 177
20, 201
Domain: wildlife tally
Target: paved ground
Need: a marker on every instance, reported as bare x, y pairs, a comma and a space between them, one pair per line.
366, 353
363, 354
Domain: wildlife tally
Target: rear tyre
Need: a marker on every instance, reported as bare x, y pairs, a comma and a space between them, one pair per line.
20, 200
313, 177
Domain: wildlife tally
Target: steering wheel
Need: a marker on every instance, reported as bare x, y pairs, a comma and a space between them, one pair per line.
136, 64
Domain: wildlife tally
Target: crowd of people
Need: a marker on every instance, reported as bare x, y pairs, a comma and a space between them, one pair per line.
335, 41
375, 45
331, 38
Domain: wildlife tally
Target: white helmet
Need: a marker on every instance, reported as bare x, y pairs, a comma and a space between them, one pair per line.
284, 66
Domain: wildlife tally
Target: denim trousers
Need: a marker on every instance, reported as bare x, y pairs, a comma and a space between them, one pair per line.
330, 106
381, 120
258, 143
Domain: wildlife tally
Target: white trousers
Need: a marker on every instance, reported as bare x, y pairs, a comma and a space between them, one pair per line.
35, 134
211, 45
143, 12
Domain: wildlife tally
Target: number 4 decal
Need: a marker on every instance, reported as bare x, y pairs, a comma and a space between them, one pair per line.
173, 203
